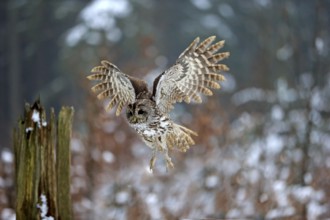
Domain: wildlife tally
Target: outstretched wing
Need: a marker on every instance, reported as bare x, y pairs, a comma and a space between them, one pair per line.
114, 84
195, 71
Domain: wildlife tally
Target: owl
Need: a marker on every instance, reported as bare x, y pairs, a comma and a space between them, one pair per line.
195, 72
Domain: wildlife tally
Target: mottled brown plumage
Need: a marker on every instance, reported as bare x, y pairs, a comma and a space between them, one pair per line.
195, 72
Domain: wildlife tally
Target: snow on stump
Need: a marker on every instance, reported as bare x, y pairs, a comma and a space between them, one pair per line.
42, 164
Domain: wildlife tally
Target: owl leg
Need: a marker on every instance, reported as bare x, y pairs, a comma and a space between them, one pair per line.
168, 159
153, 159
164, 149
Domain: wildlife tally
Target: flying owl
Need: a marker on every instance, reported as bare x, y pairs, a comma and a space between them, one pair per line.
195, 72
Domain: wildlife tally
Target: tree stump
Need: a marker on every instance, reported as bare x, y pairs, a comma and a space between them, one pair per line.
42, 164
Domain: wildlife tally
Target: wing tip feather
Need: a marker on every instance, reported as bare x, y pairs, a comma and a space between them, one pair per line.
118, 111
105, 63
89, 77
100, 96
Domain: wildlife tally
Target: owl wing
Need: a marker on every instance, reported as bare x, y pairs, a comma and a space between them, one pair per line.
114, 84
195, 71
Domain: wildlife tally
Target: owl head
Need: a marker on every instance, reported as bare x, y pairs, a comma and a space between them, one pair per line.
142, 111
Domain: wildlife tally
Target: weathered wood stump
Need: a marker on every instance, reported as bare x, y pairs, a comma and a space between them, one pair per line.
42, 162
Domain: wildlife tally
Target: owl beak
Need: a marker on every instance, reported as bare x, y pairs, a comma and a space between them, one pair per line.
133, 119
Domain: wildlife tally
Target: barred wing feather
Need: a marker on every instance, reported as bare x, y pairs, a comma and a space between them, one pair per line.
114, 85
195, 72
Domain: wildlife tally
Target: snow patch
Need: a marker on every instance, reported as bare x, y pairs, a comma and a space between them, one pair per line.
280, 213
44, 208
314, 209
274, 144
28, 129
35, 116
122, 197
154, 209
99, 15
108, 157
36, 119
211, 181
8, 214
7, 156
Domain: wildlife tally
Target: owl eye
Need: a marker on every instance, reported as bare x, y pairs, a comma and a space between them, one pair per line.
140, 112
129, 113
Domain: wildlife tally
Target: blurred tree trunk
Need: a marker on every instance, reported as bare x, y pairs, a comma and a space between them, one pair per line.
319, 24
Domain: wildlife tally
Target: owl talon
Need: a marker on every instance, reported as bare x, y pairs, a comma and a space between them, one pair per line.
152, 162
169, 164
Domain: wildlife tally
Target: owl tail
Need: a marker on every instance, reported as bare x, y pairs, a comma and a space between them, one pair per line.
180, 138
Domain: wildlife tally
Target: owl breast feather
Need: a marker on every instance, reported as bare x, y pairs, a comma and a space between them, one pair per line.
153, 129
